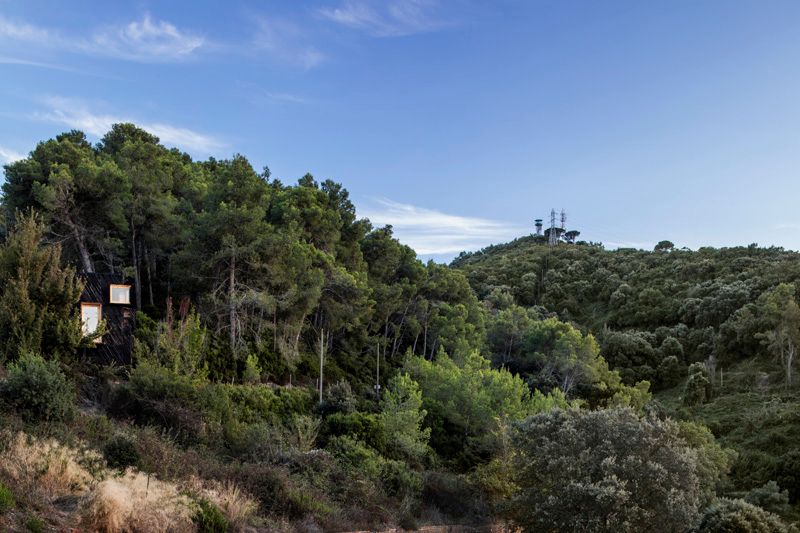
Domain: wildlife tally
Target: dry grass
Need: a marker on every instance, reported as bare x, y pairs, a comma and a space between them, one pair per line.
134, 503
238, 507
45, 468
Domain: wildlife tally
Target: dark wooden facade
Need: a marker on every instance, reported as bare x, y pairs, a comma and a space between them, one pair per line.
116, 345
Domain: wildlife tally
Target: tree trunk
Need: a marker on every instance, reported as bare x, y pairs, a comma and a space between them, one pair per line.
149, 275
136, 267
321, 360
232, 303
86, 259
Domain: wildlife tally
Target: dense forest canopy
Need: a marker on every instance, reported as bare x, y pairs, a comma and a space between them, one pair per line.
295, 368
269, 266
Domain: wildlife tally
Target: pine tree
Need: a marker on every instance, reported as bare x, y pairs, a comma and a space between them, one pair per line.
38, 297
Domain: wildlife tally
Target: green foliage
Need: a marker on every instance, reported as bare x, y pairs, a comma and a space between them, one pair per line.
339, 398
729, 516
395, 477
607, 470
38, 390
769, 497
120, 452
365, 427
669, 371
209, 519
252, 370
402, 416
465, 404
34, 524
38, 297
178, 345
698, 387
7, 501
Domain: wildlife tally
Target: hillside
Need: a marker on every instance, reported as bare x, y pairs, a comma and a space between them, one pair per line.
722, 308
196, 346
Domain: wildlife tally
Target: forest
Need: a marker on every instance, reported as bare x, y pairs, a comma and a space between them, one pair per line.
296, 369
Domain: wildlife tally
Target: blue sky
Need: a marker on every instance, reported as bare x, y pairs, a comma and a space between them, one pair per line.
457, 121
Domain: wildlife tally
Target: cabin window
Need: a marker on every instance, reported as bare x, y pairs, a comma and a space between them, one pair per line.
120, 294
91, 314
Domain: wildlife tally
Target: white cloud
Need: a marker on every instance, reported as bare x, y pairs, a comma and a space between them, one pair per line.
8, 155
286, 42
431, 232
76, 114
386, 19
144, 40
21, 31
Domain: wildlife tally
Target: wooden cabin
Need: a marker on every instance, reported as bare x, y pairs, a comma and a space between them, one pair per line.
108, 297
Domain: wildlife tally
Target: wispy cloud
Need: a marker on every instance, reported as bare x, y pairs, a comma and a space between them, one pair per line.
8, 155
287, 42
260, 96
387, 19
145, 40
431, 232
76, 114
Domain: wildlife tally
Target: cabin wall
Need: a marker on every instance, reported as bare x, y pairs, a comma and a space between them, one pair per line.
117, 344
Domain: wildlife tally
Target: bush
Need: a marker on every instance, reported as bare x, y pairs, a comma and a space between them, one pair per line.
45, 469
669, 372
737, 515
38, 390
576, 471
209, 519
120, 452
339, 398
34, 524
698, 387
6, 499
399, 480
452, 494
366, 427
135, 502
769, 497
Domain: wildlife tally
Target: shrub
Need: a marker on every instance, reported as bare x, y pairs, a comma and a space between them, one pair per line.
236, 506
209, 519
6, 499
339, 398
120, 452
769, 497
669, 371
45, 468
38, 389
698, 388
399, 480
607, 470
737, 515
451, 494
252, 370
136, 502
34, 524
366, 427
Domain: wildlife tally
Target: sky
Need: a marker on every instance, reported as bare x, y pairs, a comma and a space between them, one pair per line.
457, 121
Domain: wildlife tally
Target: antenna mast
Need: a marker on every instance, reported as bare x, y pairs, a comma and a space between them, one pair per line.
552, 237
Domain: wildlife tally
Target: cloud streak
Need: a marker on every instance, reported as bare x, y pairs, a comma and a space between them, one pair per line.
431, 232
8, 155
145, 40
75, 114
287, 43
395, 18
